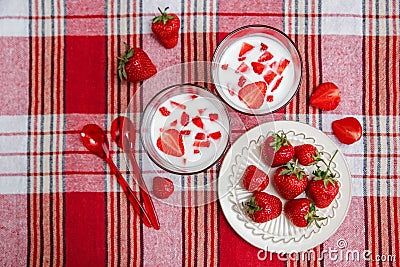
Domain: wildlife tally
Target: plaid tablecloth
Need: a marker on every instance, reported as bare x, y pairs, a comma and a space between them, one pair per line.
59, 204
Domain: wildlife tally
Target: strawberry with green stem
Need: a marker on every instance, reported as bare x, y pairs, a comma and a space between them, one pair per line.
277, 149
166, 28
263, 207
290, 180
324, 187
307, 154
301, 212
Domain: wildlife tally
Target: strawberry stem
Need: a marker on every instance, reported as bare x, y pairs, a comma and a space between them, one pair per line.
327, 176
312, 216
279, 140
123, 60
164, 16
251, 206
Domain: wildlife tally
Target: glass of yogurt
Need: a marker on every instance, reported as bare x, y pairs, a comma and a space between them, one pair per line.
185, 129
257, 69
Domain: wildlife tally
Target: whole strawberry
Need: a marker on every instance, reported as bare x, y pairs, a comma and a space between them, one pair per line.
166, 28
323, 188
263, 207
255, 179
307, 154
277, 149
162, 187
135, 65
290, 181
301, 212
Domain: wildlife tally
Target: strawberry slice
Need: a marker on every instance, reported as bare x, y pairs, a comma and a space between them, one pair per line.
269, 76
179, 105
265, 57
198, 122
213, 116
270, 98
224, 66
170, 142
253, 94
242, 81
184, 119
200, 136
282, 65
326, 96
201, 111
263, 47
273, 65
242, 68
174, 123
201, 143
196, 151
185, 132
215, 135
347, 130
245, 48
277, 83
194, 96
241, 58
164, 111
257, 67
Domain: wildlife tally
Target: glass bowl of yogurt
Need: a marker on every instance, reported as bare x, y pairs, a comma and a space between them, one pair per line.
185, 129
257, 69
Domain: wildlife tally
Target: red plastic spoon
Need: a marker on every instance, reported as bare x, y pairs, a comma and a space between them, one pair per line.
95, 140
127, 143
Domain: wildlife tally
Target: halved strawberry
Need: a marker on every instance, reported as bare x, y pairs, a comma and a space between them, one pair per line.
257, 67
215, 135
241, 58
242, 81
269, 76
326, 96
242, 68
164, 111
201, 143
184, 119
245, 48
170, 142
179, 105
263, 47
198, 122
265, 57
254, 179
282, 65
200, 136
213, 116
347, 130
253, 94
277, 83
224, 66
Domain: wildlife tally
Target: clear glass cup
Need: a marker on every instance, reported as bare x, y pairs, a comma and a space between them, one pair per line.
195, 101
288, 88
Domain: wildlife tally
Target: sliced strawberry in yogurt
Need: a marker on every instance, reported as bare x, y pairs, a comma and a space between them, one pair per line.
213, 116
179, 105
246, 47
200, 136
270, 98
282, 65
263, 47
242, 68
277, 83
201, 111
174, 123
170, 142
274, 65
224, 66
269, 76
215, 135
196, 151
164, 111
241, 58
198, 122
185, 132
242, 81
265, 57
257, 67
184, 119
201, 143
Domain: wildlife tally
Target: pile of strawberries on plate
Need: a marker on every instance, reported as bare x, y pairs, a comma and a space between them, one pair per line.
290, 180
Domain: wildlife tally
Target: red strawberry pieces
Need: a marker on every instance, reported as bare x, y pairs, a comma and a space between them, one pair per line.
198, 122
301, 212
277, 83
326, 96
282, 65
245, 48
213, 116
200, 136
265, 57
164, 111
185, 119
224, 66
347, 130
215, 135
254, 179
253, 94
242, 68
179, 105
263, 207
242, 81
162, 187
306, 154
269, 76
263, 47
170, 142
257, 67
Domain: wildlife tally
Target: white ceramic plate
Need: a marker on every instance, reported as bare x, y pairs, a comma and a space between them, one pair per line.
279, 235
